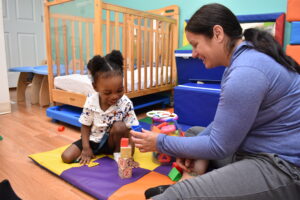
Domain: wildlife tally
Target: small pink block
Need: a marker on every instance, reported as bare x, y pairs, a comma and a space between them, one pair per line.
168, 129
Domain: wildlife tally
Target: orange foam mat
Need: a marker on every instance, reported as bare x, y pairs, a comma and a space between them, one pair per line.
293, 10
151, 179
294, 52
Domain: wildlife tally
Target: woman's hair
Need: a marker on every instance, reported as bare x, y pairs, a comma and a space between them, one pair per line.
203, 21
264, 42
111, 64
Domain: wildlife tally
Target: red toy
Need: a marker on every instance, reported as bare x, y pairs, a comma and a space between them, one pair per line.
61, 128
174, 164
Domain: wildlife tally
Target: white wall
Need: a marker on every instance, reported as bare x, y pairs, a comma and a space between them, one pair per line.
4, 92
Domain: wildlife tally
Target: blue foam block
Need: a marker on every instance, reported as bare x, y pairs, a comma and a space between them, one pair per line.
295, 33
192, 69
196, 104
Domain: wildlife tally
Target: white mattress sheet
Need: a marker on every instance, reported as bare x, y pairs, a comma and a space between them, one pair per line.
82, 84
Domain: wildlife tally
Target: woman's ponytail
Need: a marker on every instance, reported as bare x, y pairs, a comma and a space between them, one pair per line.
264, 42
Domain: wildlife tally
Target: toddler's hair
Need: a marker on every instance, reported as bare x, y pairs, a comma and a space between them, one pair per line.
111, 64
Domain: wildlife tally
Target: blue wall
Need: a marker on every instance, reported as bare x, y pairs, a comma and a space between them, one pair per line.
188, 7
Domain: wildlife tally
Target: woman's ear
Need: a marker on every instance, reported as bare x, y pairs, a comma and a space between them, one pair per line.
218, 33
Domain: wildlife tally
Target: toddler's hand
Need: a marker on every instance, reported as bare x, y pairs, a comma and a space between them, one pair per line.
86, 156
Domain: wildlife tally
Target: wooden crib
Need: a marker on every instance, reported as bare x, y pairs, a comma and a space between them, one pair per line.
76, 30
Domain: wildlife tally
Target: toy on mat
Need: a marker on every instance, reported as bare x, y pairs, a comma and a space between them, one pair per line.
161, 116
1, 138
61, 128
176, 172
166, 123
125, 161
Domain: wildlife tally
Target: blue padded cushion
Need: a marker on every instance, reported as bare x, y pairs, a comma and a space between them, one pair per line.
196, 104
295, 33
192, 69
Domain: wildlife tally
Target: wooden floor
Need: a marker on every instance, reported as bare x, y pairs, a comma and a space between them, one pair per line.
27, 130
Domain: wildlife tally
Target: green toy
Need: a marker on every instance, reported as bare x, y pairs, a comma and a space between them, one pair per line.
1, 138
174, 174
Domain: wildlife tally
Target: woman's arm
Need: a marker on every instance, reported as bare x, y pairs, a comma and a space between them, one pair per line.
242, 94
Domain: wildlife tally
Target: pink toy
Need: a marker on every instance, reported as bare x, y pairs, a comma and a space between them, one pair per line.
168, 129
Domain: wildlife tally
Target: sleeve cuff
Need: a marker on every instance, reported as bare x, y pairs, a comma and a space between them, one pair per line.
160, 142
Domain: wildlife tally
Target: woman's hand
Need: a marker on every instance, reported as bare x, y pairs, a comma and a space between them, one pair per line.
186, 164
145, 140
86, 156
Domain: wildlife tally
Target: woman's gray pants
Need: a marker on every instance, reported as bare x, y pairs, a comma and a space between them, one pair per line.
241, 177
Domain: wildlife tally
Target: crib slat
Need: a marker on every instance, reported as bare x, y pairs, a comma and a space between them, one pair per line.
107, 31
124, 50
65, 47
81, 63
163, 48
157, 40
146, 43
87, 34
167, 53
112, 46
57, 60
132, 41
139, 49
172, 59
117, 31
73, 47
98, 43
151, 52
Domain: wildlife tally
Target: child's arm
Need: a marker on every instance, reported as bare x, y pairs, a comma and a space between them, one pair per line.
87, 153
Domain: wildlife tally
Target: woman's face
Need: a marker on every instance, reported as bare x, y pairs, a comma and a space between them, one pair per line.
209, 50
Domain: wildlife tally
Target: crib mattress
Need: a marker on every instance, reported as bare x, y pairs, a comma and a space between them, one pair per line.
82, 84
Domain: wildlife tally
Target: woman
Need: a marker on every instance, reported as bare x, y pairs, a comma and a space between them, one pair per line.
257, 119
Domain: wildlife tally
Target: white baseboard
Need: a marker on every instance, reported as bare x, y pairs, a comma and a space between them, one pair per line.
5, 108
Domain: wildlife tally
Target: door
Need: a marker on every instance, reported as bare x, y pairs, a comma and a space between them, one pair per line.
23, 34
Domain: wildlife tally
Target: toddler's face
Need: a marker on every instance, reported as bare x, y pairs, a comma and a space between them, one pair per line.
110, 89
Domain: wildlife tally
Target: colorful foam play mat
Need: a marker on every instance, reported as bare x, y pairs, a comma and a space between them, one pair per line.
101, 180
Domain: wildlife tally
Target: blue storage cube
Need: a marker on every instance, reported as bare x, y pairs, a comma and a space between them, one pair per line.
196, 104
192, 69
295, 33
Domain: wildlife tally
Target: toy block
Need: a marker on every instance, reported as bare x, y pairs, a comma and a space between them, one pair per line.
125, 148
174, 174
125, 172
125, 167
137, 128
164, 158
